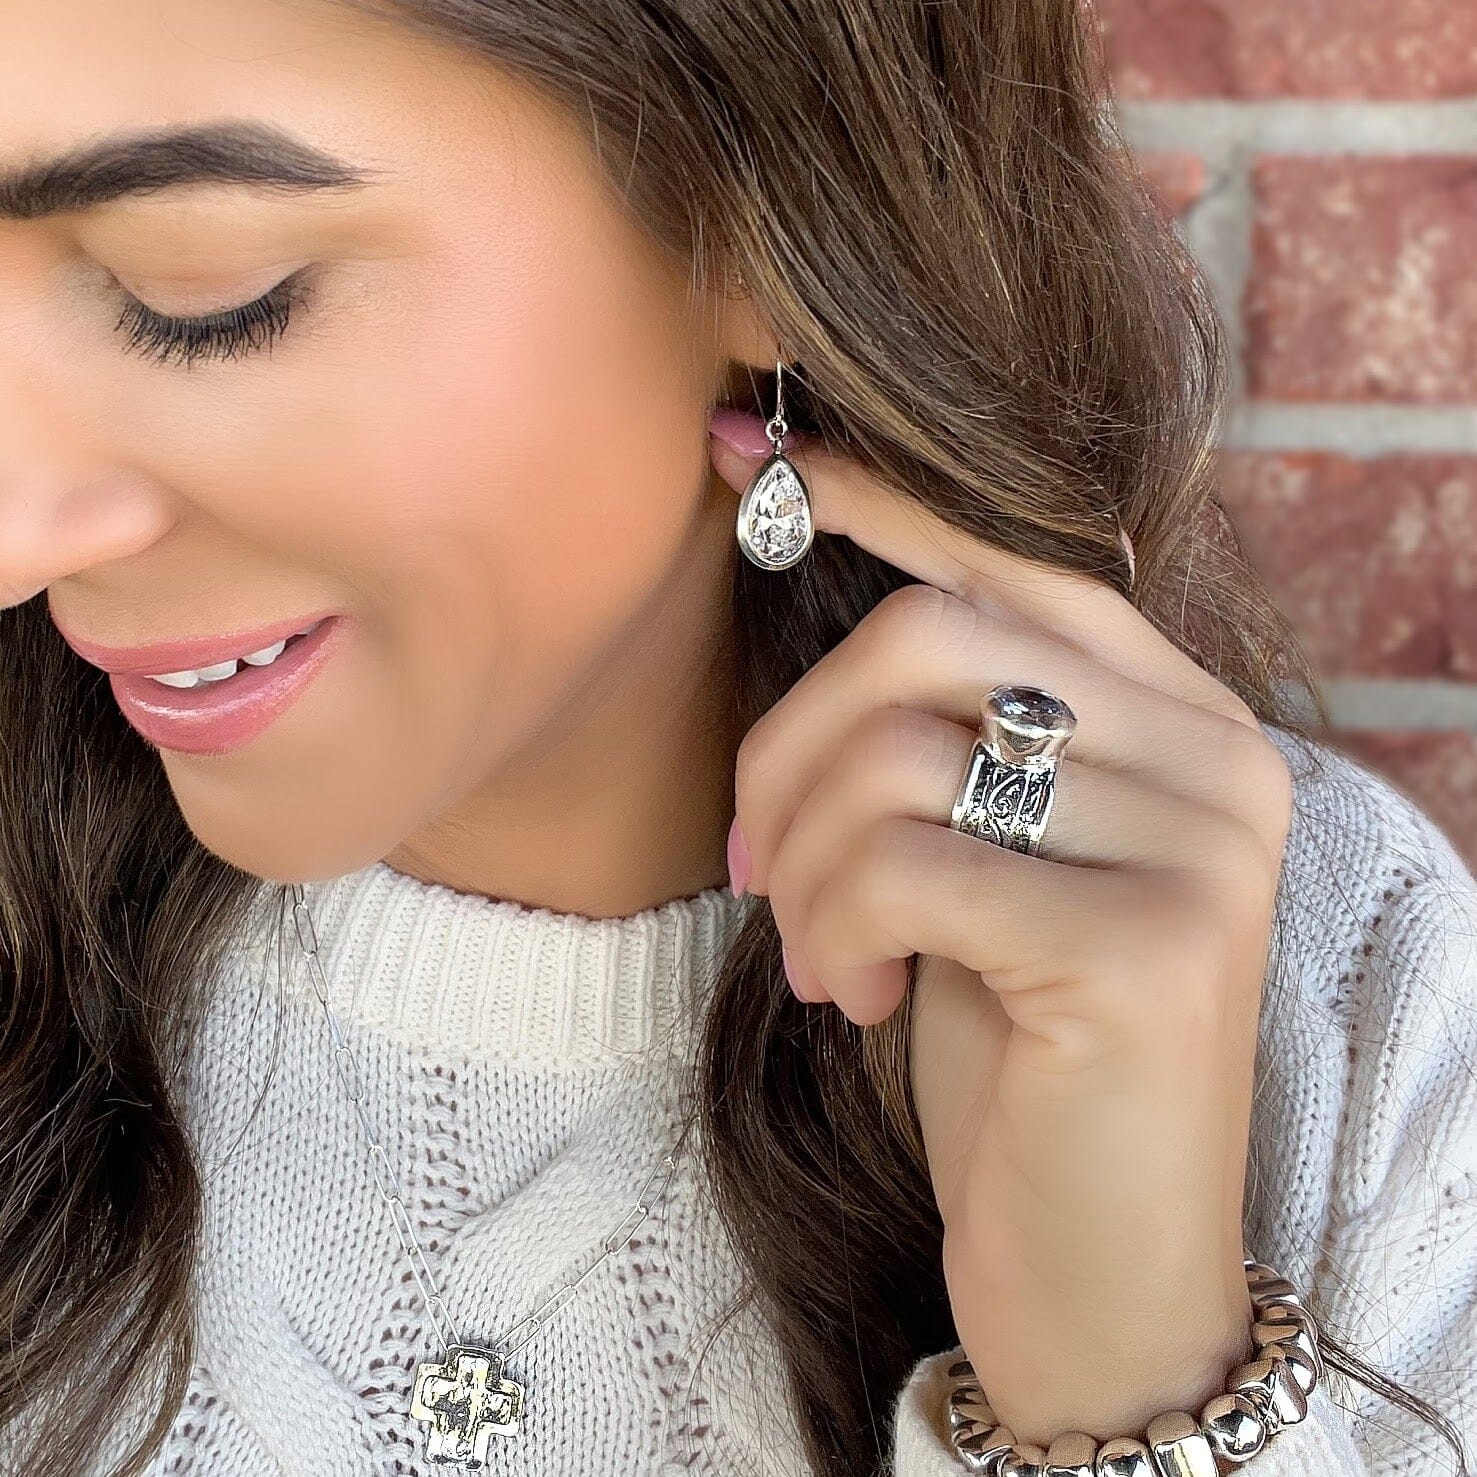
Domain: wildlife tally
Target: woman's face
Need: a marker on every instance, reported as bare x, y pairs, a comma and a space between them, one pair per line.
479, 442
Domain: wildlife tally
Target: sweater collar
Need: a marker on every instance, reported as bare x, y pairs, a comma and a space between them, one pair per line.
436, 970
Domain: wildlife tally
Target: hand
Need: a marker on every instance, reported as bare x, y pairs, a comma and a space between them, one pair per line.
1084, 1025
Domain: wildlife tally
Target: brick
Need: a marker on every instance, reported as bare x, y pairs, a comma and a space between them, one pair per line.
1415, 49
1437, 770
1374, 561
1362, 285
1177, 178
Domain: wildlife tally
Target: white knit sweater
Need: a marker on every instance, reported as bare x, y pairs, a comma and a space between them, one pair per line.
519, 1068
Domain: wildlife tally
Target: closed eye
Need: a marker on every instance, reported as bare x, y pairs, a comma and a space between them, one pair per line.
230, 333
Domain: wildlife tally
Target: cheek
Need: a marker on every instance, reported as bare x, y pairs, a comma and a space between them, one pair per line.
493, 495
532, 445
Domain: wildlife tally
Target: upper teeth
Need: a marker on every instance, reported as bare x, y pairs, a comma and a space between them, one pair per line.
194, 676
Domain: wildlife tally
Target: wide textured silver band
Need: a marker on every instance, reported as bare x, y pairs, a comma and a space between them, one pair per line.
1009, 784
1262, 1396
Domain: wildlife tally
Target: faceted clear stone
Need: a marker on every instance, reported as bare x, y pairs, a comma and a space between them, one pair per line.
1026, 723
778, 514
1034, 707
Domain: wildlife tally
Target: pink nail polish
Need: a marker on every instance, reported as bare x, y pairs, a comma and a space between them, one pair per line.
739, 862
740, 430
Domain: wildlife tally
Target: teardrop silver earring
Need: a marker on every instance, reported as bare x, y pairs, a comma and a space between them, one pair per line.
775, 527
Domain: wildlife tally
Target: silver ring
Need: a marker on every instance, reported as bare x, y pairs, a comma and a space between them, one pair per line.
1006, 794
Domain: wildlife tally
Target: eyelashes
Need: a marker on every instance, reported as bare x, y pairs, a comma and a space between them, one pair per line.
231, 333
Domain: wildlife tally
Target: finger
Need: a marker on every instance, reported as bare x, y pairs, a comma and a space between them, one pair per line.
925, 650
908, 886
850, 499
899, 763
1087, 961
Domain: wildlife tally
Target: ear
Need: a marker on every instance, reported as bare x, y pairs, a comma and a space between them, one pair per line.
744, 336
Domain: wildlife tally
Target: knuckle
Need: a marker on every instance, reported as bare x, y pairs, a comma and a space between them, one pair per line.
1261, 782
1242, 713
1274, 782
1251, 747
1234, 850
781, 892
786, 890
920, 617
751, 762
1224, 703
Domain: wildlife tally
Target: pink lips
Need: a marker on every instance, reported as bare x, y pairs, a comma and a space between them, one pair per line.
215, 717
182, 656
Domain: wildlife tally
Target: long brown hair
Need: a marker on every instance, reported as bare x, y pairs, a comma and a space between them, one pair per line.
982, 302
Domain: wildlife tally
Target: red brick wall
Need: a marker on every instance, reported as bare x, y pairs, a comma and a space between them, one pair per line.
1320, 157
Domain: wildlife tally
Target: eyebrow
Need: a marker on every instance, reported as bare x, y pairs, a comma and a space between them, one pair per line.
237, 152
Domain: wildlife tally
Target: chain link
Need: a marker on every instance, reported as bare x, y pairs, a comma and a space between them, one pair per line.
384, 1178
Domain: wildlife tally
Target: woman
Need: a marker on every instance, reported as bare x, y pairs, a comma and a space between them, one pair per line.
395, 1074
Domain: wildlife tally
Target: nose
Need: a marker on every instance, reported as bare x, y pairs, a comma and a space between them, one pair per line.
53, 528
65, 507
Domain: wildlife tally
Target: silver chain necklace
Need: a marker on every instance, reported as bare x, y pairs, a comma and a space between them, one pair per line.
463, 1396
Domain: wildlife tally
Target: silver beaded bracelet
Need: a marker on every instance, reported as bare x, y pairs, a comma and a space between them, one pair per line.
1261, 1397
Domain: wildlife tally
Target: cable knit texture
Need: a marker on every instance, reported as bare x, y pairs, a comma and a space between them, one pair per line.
521, 1068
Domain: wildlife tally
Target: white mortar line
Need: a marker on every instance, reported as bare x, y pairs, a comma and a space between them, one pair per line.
1286, 126
1217, 228
1401, 705
1357, 430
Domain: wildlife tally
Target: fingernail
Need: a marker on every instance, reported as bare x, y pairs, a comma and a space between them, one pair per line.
740, 430
739, 861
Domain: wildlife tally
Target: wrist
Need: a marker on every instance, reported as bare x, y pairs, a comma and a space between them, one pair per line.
1115, 1385
1260, 1397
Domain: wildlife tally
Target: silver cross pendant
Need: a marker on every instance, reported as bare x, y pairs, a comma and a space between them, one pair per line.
468, 1402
